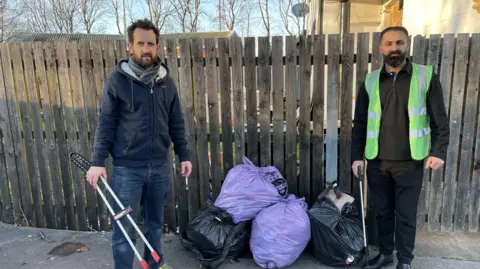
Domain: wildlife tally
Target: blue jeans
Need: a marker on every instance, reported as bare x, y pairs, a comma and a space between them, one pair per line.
147, 187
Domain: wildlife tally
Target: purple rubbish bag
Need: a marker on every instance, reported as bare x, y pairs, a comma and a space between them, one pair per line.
280, 233
248, 189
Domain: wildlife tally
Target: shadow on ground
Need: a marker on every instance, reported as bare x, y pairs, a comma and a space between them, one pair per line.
28, 248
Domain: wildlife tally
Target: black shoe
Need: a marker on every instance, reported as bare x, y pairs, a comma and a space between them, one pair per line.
379, 261
403, 266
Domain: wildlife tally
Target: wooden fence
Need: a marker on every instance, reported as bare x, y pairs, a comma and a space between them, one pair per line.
50, 93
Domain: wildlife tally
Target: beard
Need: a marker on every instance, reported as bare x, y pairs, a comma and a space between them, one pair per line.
145, 60
394, 60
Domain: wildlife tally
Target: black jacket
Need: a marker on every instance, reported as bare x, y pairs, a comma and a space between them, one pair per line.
394, 131
137, 123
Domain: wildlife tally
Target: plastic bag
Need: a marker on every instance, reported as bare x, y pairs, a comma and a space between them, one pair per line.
337, 236
248, 189
214, 237
280, 233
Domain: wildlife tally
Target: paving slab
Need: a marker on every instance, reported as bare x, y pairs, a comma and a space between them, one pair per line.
26, 248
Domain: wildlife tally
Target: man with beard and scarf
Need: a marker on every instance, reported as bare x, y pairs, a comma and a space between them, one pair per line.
400, 128
139, 117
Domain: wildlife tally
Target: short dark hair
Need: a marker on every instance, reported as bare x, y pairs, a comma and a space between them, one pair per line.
394, 28
142, 24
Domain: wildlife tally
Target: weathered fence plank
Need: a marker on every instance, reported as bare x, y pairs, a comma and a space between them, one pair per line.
178, 185
171, 203
11, 204
464, 190
201, 119
99, 82
225, 95
435, 195
474, 205
55, 97
318, 115
43, 146
122, 49
419, 58
213, 116
72, 145
90, 99
291, 114
304, 122
278, 150
450, 182
25, 203
264, 100
170, 209
345, 153
331, 138
363, 43
188, 112
238, 100
377, 57
110, 56
43, 179
31, 188
6, 212
51, 146
82, 128
251, 100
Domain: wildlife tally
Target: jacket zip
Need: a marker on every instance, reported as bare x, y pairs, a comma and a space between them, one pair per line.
152, 109
152, 120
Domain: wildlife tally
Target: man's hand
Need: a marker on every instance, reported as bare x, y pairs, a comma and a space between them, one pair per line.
186, 168
434, 163
355, 166
94, 173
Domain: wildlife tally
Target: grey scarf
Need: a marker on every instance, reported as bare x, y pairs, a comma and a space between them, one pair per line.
145, 75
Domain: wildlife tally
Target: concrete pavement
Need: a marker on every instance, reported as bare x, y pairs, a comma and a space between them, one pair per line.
25, 248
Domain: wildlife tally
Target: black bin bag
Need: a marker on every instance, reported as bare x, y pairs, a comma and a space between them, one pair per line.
337, 235
214, 237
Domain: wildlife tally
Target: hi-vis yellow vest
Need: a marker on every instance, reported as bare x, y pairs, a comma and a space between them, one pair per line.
417, 112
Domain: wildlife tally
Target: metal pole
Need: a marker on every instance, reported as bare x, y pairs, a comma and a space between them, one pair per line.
344, 17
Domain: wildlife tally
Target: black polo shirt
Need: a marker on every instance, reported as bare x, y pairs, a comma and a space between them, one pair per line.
394, 131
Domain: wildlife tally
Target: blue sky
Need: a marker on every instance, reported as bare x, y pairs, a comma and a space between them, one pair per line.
256, 27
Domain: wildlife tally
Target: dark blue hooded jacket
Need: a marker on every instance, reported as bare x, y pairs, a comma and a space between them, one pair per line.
137, 124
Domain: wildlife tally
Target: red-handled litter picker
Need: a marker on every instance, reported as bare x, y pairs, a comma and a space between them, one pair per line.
83, 164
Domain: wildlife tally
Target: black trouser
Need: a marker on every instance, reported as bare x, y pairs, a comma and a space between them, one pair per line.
395, 187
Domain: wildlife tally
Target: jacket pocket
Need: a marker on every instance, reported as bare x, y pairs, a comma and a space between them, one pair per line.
131, 140
163, 139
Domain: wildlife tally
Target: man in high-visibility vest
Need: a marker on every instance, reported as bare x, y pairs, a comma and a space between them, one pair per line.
400, 128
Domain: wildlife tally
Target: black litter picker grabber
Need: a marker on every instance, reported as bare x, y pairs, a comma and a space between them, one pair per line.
84, 165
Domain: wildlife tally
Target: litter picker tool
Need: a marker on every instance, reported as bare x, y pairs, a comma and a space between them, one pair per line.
360, 178
84, 165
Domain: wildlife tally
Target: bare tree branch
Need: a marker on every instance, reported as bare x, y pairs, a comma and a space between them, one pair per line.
159, 11
65, 14
39, 14
187, 13
236, 12
10, 14
264, 11
290, 22
93, 11
116, 10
